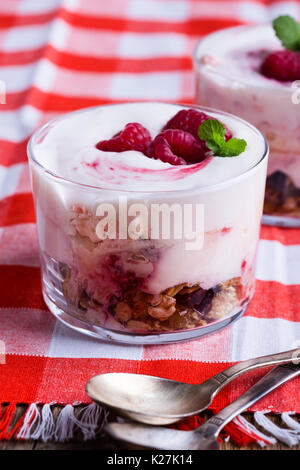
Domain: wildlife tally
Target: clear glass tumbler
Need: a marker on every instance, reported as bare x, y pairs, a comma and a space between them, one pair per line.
140, 284
237, 87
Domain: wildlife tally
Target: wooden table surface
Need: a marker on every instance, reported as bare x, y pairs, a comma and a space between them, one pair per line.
106, 443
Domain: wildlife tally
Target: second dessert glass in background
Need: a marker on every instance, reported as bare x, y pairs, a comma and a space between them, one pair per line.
227, 77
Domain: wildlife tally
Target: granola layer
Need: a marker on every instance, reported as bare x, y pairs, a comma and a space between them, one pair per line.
183, 306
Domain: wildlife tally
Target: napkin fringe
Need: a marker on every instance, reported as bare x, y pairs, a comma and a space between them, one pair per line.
290, 437
242, 432
41, 424
6, 416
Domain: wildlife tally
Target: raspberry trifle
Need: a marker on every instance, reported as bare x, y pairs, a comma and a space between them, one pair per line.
148, 219
253, 72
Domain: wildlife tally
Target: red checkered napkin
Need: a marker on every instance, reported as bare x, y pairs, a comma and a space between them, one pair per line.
57, 56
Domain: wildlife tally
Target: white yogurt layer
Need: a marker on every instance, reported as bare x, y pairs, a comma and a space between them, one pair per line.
67, 148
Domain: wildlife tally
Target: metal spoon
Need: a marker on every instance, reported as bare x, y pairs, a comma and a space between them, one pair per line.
153, 400
205, 436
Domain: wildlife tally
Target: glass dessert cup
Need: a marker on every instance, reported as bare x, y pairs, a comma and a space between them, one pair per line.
237, 87
146, 286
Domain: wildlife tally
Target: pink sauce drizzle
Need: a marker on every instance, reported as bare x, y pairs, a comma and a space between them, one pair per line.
169, 174
226, 230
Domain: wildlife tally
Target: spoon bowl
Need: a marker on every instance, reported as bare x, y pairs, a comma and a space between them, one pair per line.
144, 398
155, 437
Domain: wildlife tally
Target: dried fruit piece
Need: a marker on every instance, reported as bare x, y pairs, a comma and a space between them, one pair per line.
199, 300
123, 312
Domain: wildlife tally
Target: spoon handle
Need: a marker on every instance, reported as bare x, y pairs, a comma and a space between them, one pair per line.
219, 381
269, 382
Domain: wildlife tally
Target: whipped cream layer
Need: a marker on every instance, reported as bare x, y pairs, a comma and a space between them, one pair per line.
227, 66
66, 147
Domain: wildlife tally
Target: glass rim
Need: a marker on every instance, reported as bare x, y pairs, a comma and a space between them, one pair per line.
215, 186
242, 81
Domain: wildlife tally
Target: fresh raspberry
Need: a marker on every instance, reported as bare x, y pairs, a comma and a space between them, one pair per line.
282, 65
176, 147
133, 137
189, 120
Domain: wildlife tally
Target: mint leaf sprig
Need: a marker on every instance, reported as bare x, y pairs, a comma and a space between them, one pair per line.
213, 133
287, 29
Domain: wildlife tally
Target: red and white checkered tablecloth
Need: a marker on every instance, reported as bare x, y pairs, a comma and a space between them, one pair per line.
61, 55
